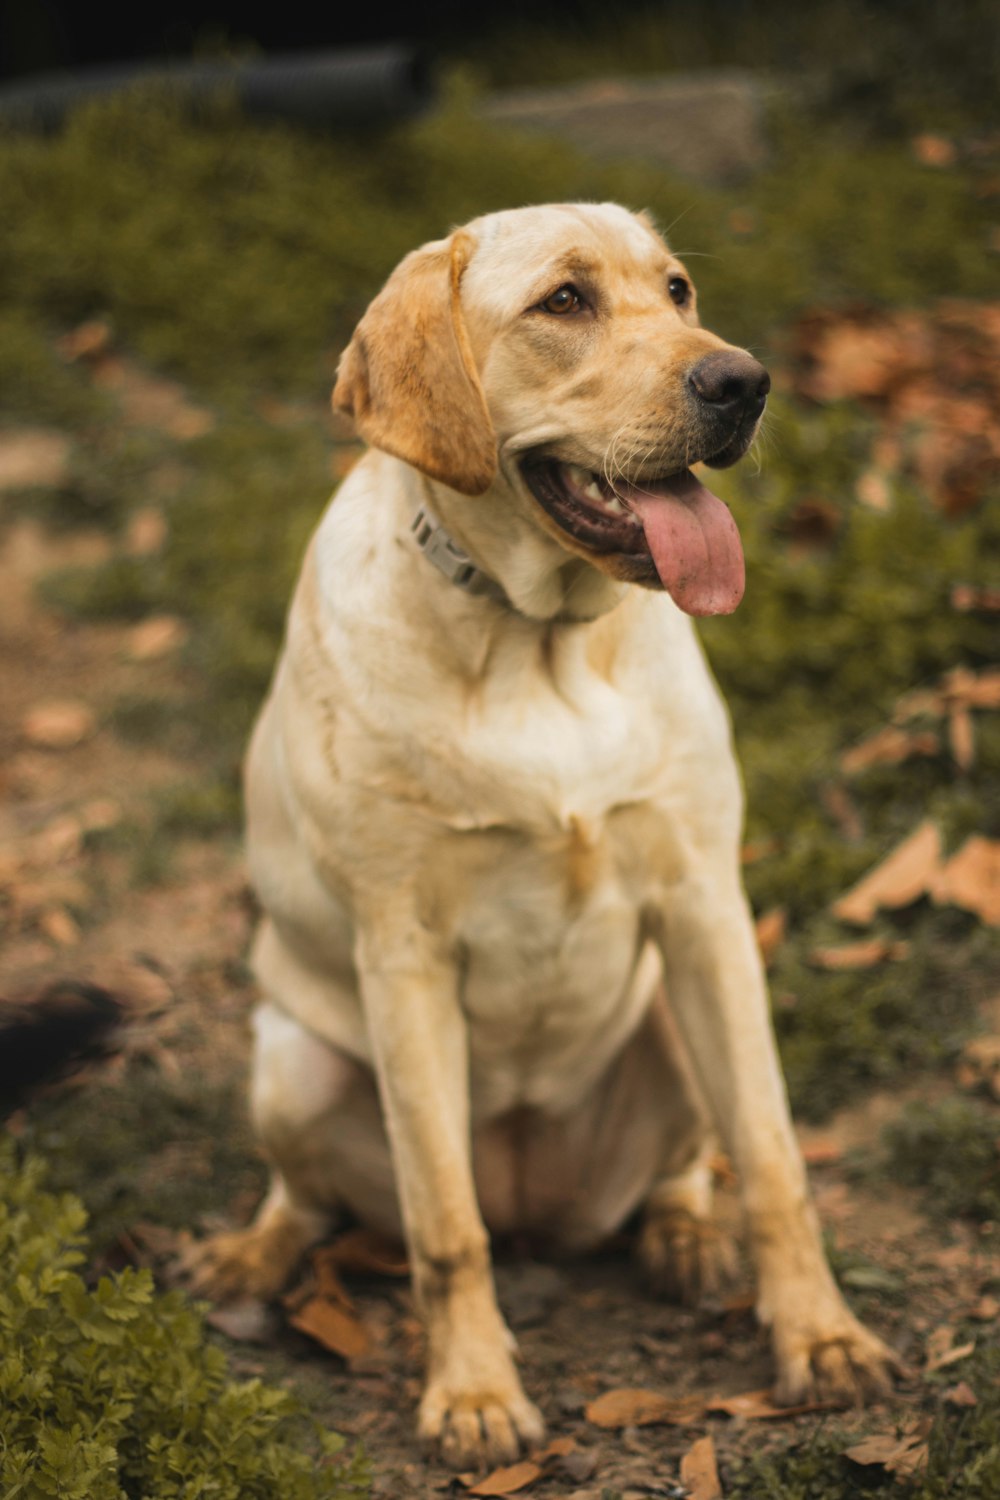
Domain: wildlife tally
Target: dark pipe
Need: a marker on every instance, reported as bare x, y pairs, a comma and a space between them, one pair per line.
311, 88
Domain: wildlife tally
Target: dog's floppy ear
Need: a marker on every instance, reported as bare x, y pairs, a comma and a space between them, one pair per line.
408, 377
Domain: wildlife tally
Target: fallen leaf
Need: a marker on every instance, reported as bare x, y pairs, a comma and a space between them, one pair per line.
940, 1354
32, 458
758, 1406
889, 747
333, 1327
961, 737
758, 849
821, 1153
156, 637
899, 880
89, 340
966, 597
57, 724
960, 1395
508, 1481
60, 927
863, 955
934, 150
985, 1310
771, 928
146, 532
368, 1254
971, 879
842, 808
974, 690
904, 1456
630, 1407
558, 1448
699, 1471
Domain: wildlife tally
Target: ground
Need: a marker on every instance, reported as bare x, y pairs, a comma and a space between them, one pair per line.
149, 531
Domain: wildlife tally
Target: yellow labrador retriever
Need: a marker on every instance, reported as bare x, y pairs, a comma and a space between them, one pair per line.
511, 979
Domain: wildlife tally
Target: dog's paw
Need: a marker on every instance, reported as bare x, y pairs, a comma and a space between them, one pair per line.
837, 1360
479, 1428
253, 1263
685, 1258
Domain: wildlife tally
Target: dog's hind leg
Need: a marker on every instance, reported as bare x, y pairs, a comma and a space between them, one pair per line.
684, 1254
317, 1114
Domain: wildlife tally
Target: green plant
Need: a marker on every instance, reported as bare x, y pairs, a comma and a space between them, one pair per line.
113, 1392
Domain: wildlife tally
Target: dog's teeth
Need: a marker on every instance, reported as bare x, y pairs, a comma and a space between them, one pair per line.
593, 491
580, 477
613, 503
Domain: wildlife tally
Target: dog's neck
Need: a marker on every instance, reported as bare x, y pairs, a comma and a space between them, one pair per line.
489, 546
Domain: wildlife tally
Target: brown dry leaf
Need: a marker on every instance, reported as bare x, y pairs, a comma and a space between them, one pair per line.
333, 1326
631, 1407
509, 1480
146, 532
961, 737
326, 1280
758, 849
771, 928
156, 637
966, 597
153, 401
839, 803
960, 1395
57, 724
889, 747
943, 1351
863, 955
985, 1310
974, 690
899, 880
934, 150
821, 1153
60, 927
699, 1471
904, 1456
89, 340
758, 1406
971, 880
368, 1254
33, 458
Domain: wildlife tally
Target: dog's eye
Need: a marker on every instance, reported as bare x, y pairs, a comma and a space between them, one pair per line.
679, 290
566, 300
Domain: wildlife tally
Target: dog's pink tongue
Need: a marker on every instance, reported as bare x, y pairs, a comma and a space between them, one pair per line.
694, 543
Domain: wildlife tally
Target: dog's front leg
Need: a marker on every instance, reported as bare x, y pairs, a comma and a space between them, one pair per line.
716, 988
473, 1408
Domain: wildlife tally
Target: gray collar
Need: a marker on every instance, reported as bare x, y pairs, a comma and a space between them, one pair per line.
456, 565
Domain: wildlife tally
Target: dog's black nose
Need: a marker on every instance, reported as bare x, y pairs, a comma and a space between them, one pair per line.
732, 382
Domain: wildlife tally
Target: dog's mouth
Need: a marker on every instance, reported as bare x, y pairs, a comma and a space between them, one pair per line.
675, 532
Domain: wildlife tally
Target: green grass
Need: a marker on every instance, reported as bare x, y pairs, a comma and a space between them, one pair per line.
951, 1151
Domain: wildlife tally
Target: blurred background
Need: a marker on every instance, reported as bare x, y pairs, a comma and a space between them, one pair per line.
183, 256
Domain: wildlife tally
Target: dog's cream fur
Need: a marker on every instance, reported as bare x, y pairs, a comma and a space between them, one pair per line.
490, 840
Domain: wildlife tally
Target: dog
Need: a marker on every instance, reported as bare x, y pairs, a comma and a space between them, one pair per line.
510, 976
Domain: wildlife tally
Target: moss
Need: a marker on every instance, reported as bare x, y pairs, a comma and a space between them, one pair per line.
951, 1150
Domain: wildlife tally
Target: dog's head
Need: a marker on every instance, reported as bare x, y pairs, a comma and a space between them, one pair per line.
554, 353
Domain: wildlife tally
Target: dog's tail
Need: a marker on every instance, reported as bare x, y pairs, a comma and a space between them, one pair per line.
41, 1038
